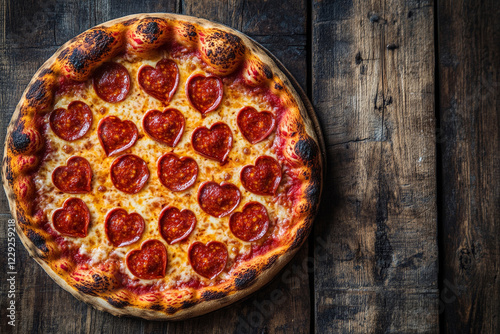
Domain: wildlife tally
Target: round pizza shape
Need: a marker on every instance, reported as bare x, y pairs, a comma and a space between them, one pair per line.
162, 166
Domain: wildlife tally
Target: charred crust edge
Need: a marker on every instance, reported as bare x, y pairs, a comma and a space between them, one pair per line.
151, 30
156, 307
301, 235
22, 219
117, 302
8, 174
98, 284
223, 53
270, 262
37, 240
94, 46
308, 150
187, 304
213, 294
245, 279
19, 141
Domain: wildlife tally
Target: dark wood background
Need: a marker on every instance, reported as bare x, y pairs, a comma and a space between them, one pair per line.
407, 94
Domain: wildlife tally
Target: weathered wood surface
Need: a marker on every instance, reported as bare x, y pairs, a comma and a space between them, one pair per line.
469, 137
373, 90
368, 66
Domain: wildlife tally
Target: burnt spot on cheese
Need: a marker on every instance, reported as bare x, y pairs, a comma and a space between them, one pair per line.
19, 141
245, 279
156, 307
150, 31
116, 302
213, 294
37, 240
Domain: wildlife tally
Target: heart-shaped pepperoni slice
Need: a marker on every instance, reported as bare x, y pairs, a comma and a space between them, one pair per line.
251, 224
218, 200
165, 127
129, 173
215, 143
150, 261
72, 219
112, 82
75, 177
210, 260
255, 126
115, 135
72, 123
160, 82
176, 225
177, 174
204, 93
263, 178
123, 229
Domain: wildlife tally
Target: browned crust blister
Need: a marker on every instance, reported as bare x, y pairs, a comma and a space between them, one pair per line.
224, 50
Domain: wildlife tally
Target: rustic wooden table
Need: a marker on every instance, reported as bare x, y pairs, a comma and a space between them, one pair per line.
407, 93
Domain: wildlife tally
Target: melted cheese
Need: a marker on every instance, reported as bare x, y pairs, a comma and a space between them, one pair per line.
153, 197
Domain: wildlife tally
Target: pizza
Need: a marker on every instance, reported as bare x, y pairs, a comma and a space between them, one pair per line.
161, 166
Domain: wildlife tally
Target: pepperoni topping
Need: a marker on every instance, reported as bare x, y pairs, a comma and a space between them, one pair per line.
72, 123
129, 173
176, 225
251, 224
72, 219
123, 229
150, 261
160, 82
112, 82
263, 178
177, 174
218, 200
75, 177
165, 127
255, 126
215, 143
115, 135
204, 93
210, 260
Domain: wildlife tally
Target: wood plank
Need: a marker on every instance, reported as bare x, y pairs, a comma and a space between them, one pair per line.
373, 88
469, 130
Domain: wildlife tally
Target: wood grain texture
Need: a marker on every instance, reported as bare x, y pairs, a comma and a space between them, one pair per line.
373, 90
33, 31
469, 131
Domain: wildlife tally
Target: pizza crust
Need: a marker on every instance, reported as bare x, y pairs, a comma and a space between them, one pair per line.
224, 50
